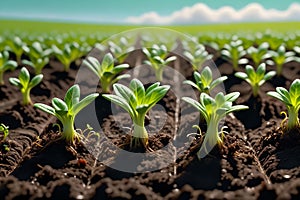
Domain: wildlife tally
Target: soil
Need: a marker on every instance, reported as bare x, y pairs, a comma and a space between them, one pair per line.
257, 161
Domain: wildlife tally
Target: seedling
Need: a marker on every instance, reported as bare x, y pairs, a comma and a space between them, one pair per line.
120, 50
291, 99
38, 56
280, 57
157, 59
17, 46
4, 131
106, 71
214, 110
256, 78
137, 101
5, 65
198, 57
204, 82
68, 54
234, 53
259, 54
66, 110
25, 84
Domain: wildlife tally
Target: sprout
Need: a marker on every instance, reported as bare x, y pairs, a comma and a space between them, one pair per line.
106, 71
5, 65
25, 84
234, 52
204, 82
120, 50
198, 57
214, 110
255, 79
137, 102
17, 46
280, 57
66, 110
259, 54
4, 130
38, 56
291, 99
68, 54
157, 59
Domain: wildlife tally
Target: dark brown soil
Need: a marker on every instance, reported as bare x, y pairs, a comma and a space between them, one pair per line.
257, 160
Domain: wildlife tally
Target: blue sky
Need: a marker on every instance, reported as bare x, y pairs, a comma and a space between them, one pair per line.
118, 11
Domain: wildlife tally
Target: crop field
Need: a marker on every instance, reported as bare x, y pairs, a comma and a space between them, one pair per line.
133, 112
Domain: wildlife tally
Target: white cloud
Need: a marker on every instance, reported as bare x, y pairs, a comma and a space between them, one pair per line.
201, 14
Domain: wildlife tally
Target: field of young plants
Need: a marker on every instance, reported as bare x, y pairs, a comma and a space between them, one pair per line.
142, 116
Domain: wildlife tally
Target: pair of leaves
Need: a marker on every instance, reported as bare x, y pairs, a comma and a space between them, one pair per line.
198, 57
290, 98
257, 77
204, 82
106, 71
135, 99
220, 105
23, 81
71, 105
5, 63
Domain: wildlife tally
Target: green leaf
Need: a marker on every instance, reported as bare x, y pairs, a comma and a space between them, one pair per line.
16, 82
123, 76
45, 108
295, 88
93, 64
59, 105
83, 103
217, 82
72, 96
236, 108
151, 87
269, 75
241, 75
206, 76
138, 89
285, 95
24, 77
10, 65
108, 61
231, 97
119, 68
191, 83
35, 81
196, 104
120, 102
125, 93
155, 95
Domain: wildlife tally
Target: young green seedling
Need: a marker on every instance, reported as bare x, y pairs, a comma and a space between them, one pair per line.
120, 50
198, 57
214, 110
25, 84
4, 132
68, 54
137, 101
157, 59
5, 65
291, 99
255, 78
38, 56
234, 53
66, 110
106, 71
259, 54
204, 82
17, 46
280, 57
